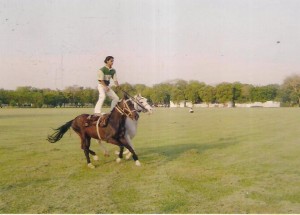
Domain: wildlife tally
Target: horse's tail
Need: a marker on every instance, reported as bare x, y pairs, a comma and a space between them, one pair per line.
59, 132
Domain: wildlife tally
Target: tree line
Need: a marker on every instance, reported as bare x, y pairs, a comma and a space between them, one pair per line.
194, 91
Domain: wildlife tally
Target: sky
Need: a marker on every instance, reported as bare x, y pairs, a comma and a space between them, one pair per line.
59, 43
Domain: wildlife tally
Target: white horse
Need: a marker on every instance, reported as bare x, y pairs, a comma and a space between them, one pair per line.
131, 125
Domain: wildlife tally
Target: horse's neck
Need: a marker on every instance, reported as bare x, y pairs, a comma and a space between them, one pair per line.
115, 118
131, 127
131, 121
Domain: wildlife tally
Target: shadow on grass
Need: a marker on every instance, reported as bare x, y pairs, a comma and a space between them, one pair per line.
171, 152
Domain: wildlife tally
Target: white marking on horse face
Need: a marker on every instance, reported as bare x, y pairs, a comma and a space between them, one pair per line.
144, 102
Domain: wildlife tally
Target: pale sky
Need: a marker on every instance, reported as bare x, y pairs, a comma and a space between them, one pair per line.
59, 43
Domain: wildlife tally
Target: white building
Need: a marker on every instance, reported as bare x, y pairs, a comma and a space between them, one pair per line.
181, 104
268, 104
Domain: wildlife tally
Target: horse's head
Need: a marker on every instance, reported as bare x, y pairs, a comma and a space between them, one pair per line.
126, 107
142, 104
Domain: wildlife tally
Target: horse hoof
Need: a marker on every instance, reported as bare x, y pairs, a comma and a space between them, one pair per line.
96, 158
90, 165
137, 163
118, 160
126, 152
128, 156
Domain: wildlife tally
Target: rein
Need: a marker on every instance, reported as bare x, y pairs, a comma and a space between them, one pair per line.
97, 125
126, 110
134, 100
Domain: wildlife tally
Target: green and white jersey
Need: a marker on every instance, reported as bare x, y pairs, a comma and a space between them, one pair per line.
105, 74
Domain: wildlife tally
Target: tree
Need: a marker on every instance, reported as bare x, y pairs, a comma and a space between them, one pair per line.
4, 96
23, 96
264, 93
236, 92
245, 93
181, 84
207, 94
73, 95
291, 89
161, 93
191, 91
177, 95
147, 92
224, 92
88, 95
37, 99
140, 88
50, 98
127, 88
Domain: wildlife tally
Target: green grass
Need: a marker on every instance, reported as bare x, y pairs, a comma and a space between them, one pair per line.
211, 161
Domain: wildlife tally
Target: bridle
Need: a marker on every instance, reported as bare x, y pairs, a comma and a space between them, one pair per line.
136, 101
125, 110
137, 104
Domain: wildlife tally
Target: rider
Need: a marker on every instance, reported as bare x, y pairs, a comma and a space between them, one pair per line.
104, 75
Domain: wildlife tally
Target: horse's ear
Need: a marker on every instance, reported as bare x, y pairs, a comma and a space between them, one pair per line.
125, 96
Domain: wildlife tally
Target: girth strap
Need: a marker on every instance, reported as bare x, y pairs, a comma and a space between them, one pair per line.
97, 127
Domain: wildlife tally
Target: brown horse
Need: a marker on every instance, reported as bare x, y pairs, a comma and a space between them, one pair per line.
112, 132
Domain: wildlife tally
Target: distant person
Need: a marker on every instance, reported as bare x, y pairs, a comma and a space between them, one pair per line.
105, 74
191, 110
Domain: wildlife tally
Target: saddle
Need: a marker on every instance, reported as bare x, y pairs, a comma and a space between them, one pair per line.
91, 120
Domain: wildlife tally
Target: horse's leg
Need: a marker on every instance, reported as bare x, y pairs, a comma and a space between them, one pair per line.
85, 145
120, 154
129, 147
120, 144
124, 152
134, 155
106, 154
131, 127
95, 157
128, 139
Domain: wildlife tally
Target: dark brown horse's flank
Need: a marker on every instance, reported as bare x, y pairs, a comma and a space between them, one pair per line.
113, 132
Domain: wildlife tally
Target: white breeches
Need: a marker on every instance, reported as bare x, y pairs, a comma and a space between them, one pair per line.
102, 95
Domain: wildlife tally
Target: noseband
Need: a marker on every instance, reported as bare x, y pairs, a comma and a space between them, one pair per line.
141, 105
125, 110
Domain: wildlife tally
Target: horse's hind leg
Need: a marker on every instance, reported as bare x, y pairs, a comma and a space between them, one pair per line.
120, 154
95, 157
85, 144
106, 154
88, 143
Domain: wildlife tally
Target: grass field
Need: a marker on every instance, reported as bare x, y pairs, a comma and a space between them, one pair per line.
211, 161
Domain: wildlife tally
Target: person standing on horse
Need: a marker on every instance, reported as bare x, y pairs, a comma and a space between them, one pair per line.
105, 74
